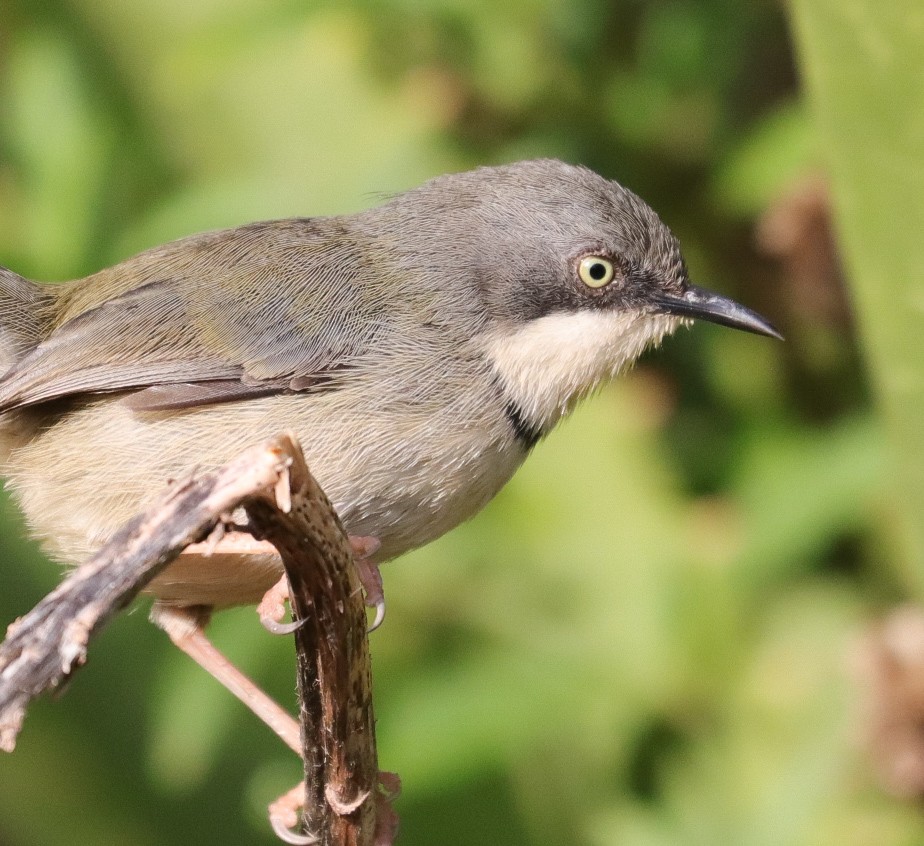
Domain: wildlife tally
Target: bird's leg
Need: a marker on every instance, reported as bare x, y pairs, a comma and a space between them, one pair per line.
272, 607
184, 626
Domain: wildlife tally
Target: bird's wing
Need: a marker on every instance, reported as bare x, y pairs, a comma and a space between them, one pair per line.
235, 316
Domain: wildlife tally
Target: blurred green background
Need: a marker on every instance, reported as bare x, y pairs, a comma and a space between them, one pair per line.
648, 637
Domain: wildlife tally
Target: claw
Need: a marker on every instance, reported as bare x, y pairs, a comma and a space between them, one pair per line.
371, 580
286, 835
283, 817
379, 615
272, 609
277, 628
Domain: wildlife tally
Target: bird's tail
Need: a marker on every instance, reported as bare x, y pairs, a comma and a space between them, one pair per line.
26, 310
26, 316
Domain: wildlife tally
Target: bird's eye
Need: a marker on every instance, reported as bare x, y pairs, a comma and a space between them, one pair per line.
596, 271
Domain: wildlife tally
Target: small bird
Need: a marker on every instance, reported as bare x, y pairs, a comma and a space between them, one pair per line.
418, 349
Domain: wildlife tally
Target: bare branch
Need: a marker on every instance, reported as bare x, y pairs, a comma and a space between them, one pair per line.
286, 507
334, 669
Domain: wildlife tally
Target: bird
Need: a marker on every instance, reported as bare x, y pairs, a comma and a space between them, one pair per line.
419, 349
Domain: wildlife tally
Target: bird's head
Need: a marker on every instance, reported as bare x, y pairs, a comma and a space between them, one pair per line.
575, 276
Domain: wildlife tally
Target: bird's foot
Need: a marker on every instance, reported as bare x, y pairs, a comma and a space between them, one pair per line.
285, 812
284, 815
386, 818
272, 607
369, 576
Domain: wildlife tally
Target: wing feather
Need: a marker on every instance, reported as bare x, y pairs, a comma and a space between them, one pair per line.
269, 307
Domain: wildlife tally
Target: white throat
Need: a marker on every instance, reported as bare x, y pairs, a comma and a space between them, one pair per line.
548, 365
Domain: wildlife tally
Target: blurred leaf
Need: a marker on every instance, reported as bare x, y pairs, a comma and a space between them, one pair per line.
280, 148
800, 490
862, 63
777, 150
64, 166
776, 757
61, 816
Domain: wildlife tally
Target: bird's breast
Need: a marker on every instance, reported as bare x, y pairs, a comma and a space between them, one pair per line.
405, 473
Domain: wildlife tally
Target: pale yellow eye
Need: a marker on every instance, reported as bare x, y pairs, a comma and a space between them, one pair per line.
596, 271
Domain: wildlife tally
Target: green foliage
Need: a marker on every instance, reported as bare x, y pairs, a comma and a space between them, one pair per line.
863, 69
643, 640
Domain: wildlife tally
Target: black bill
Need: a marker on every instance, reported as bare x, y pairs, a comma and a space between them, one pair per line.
705, 305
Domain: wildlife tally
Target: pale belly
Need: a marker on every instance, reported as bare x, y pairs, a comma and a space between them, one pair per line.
404, 484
